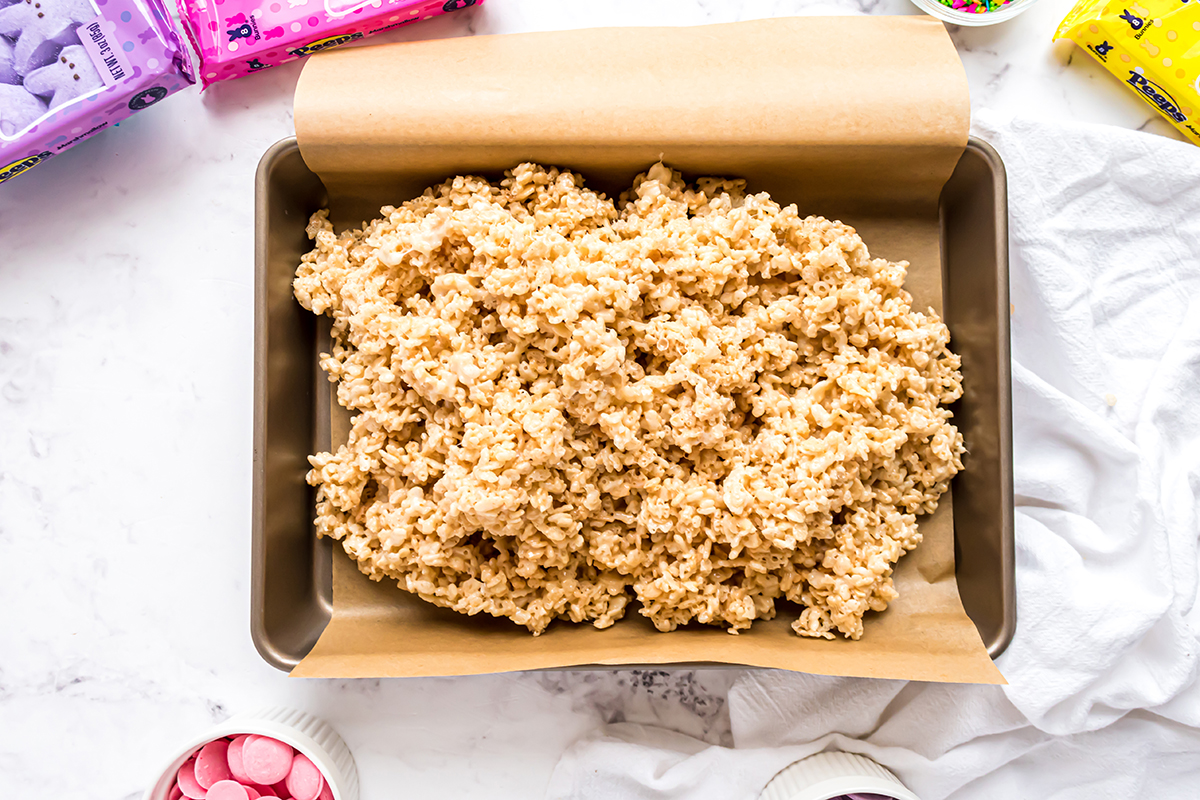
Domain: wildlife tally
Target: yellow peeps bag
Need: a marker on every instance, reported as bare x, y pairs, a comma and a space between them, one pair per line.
1153, 46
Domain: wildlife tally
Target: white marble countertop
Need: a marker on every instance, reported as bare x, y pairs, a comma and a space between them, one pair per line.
126, 308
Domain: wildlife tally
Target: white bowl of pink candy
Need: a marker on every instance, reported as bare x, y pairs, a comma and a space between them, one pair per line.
276, 754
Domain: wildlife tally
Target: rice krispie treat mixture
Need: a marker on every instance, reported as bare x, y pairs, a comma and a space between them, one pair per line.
692, 397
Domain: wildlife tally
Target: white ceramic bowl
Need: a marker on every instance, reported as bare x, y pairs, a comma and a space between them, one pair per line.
833, 774
956, 17
311, 736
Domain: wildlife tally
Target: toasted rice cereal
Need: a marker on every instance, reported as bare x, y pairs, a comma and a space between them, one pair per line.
692, 397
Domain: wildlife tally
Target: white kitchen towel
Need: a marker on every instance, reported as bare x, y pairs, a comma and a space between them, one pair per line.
1103, 699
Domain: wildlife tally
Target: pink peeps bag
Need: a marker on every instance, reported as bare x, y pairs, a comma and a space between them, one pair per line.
238, 37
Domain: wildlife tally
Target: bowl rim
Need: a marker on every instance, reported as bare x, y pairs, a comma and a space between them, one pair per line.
239, 726
953, 16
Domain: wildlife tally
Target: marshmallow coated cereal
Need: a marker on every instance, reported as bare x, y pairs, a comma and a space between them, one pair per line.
693, 398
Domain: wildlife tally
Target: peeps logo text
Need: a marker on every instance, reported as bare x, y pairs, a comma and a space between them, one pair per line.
325, 44
1156, 95
17, 167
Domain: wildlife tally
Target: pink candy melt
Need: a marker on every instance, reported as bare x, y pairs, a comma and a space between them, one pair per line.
234, 754
249, 767
228, 790
304, 781
266, 760
211, 764
187, 781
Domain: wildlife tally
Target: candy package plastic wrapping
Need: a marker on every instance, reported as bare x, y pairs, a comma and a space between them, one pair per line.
238, 37
71, 68
1153, 46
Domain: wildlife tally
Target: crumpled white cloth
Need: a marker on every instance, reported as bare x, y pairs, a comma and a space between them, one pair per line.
1103, 699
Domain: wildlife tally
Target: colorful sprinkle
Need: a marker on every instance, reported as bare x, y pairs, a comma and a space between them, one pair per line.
975, 6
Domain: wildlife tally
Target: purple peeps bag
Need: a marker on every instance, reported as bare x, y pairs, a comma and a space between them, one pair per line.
71, 68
